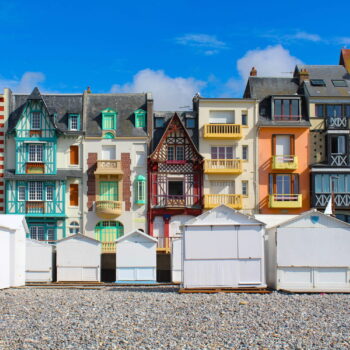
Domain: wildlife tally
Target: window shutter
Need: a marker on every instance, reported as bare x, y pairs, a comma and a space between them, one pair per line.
292, 145
271, 184
73, 195
74, 155
273, 145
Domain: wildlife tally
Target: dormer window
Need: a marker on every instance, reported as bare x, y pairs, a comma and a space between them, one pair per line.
109, 119
140, 118
35, 121
286, 109
74, 122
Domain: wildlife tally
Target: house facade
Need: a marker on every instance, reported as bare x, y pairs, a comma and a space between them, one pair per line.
283, 140
43, 168
228, 144
174, 175
115, 165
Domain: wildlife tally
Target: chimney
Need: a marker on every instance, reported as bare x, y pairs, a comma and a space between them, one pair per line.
345, 59
88, 90
303, 75
253, 72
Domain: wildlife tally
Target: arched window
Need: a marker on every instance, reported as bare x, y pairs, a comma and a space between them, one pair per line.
108, 135
74, 228
140, 190
108, 231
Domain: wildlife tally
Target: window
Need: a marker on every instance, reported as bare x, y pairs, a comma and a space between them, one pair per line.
222, 187
74, 122
35, 121
245, 152
108, 231
74, 155
35, 191
49, 193
140, 118
190, 123
175, 188
319, 109
108, 135
222, 152
37, 232
283, 184
108, 191
283, 145
35, 152
244, 118
140, 189
159, 122
339, 83
222, 117
286, 109
323, 183
176, 153
108, 153
21, 193
333, 110
140, 159
74, 228
109, 119
317, 82
171, 152
245, 188
338, 144
73, 195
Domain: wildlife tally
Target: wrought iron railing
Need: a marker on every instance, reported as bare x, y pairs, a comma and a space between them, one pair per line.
341, 200
337, 123
339, 160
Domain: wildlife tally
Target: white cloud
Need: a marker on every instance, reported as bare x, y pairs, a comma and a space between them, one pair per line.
307, 36
344, 40
26, 84
201, 40
168, 93
273, 61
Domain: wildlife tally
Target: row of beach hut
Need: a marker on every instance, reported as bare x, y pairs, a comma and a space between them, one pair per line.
221, 248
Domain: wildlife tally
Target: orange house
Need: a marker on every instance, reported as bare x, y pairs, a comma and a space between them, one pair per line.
284, 177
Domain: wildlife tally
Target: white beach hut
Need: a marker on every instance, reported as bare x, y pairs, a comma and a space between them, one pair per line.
176, 260
136, 258
39, 261
13, 230
309, 253
223, 248
78, 258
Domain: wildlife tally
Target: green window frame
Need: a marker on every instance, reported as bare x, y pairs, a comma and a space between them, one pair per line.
109, 191
74, 122
109, 119
140, 189
108, 231
140, 118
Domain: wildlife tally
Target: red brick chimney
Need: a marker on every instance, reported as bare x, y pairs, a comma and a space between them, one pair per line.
345, 59
253, 72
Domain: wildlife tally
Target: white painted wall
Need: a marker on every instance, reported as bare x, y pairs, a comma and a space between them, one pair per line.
176, 260
5, 258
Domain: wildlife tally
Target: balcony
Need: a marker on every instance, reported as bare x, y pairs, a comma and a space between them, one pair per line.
338, 159
284, 162
341, 200
222, 131
223, 166
175, 201
232, 200
337, 123
285, 201
108, 209
109, 167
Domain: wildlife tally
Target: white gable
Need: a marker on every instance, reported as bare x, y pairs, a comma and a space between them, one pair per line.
138, 236
79, 237
13, 222
223, 215
272, 220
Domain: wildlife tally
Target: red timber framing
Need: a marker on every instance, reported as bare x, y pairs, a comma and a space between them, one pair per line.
175, 173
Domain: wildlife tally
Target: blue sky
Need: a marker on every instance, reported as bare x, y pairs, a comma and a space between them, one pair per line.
173, 49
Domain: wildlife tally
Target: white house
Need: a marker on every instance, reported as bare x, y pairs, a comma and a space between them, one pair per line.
176, 260
78, 259
223, 248
13, 230
309, 253
39, 261
136, 258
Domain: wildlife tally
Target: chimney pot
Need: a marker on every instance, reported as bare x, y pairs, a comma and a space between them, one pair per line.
88, 90
253, 72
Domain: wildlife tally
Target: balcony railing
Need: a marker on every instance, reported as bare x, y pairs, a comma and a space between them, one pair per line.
223, 166
232, 200
341, 200
285, 201
109, 167
284, 162
175, 201
108, 209
337, 123
222, 131
339, 160
108, 247
35, 207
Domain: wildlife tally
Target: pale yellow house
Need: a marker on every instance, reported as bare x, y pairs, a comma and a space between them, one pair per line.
228, 143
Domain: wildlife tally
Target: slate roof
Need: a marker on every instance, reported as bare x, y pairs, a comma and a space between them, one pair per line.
61, 175
124, 104
60, 105
167, 115
327, 73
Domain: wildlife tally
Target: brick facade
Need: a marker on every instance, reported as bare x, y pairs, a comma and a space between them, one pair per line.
126, 163
91, 182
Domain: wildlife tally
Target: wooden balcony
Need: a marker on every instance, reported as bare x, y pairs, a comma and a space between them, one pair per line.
337, 123
285, 201
108, 247
35, 168
35, 207
222, 131
232, 200
284, 162
223, 166
108, 209
109, 167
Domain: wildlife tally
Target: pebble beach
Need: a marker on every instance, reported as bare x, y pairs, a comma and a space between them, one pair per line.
160, 318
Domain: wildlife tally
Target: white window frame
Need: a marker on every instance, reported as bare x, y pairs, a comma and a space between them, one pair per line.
36, 232
35, 153
49, 193
225, 147
74, 122
74, 228
35, 192
35, 121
